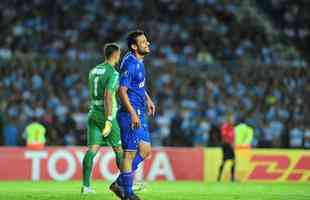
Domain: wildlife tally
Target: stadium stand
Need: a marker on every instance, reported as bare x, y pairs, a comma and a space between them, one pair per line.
209, 57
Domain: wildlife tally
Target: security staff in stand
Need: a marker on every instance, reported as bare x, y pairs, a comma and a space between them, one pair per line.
35, 135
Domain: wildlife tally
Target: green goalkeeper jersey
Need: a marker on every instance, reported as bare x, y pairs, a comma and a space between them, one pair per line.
101, 78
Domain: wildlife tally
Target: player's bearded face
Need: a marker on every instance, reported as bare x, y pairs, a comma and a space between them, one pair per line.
143, 45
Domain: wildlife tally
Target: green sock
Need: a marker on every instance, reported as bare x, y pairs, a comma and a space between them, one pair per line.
119, 159
87, 167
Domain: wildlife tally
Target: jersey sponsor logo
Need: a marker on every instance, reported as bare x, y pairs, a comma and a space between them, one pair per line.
126, 73
141, 85
98, 71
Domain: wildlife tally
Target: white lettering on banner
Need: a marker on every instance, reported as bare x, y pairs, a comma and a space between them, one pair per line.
161, 167
35, 156
103, 166
52, 165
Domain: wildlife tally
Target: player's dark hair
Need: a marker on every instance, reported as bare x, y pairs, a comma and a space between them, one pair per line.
132, 38
109, 49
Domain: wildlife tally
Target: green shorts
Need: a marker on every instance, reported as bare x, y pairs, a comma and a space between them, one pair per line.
95, 125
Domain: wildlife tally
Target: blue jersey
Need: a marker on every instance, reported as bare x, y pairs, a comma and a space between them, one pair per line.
133, 77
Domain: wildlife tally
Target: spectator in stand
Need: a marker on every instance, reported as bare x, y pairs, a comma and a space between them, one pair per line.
11, 133
307, 137
296, 137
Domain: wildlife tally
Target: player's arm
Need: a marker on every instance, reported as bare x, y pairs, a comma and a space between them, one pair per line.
150, 104
125, 99
125, 80
135, 121
108, 103
108, 94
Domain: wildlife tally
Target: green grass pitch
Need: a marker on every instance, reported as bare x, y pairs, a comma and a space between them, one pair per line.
158, 191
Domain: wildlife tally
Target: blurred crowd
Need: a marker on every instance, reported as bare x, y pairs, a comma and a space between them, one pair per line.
250, 64
46, 91
290, 19
193, 106
190, 106
183, 32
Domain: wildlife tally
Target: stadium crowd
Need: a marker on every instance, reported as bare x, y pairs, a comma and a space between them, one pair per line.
272, 101
191, 107
43, 44
183, 32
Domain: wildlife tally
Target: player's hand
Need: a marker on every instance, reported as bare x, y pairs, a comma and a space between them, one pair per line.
107, 128
150, 108
135, 121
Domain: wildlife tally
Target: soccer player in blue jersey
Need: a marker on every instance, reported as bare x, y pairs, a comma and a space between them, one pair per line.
135, 102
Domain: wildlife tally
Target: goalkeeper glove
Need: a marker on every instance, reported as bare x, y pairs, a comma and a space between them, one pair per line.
107, 127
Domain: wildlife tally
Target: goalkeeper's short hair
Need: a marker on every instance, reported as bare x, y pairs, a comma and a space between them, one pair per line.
109, 49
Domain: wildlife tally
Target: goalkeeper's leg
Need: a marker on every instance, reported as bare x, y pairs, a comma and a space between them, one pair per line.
87, 167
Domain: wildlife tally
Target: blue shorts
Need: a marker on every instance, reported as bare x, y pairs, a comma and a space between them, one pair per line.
131, 138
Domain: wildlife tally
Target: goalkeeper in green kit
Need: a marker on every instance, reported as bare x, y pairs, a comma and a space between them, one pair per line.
102, 127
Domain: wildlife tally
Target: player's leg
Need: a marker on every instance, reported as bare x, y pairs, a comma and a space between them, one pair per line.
116, 186
130, 147
94, 140
143, 152
233, 166
88, 164
127, 176
118, 151
114, 140
144, 149
219, 177
232, 170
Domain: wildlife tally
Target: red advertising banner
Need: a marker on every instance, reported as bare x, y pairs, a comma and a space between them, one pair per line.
65, 163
